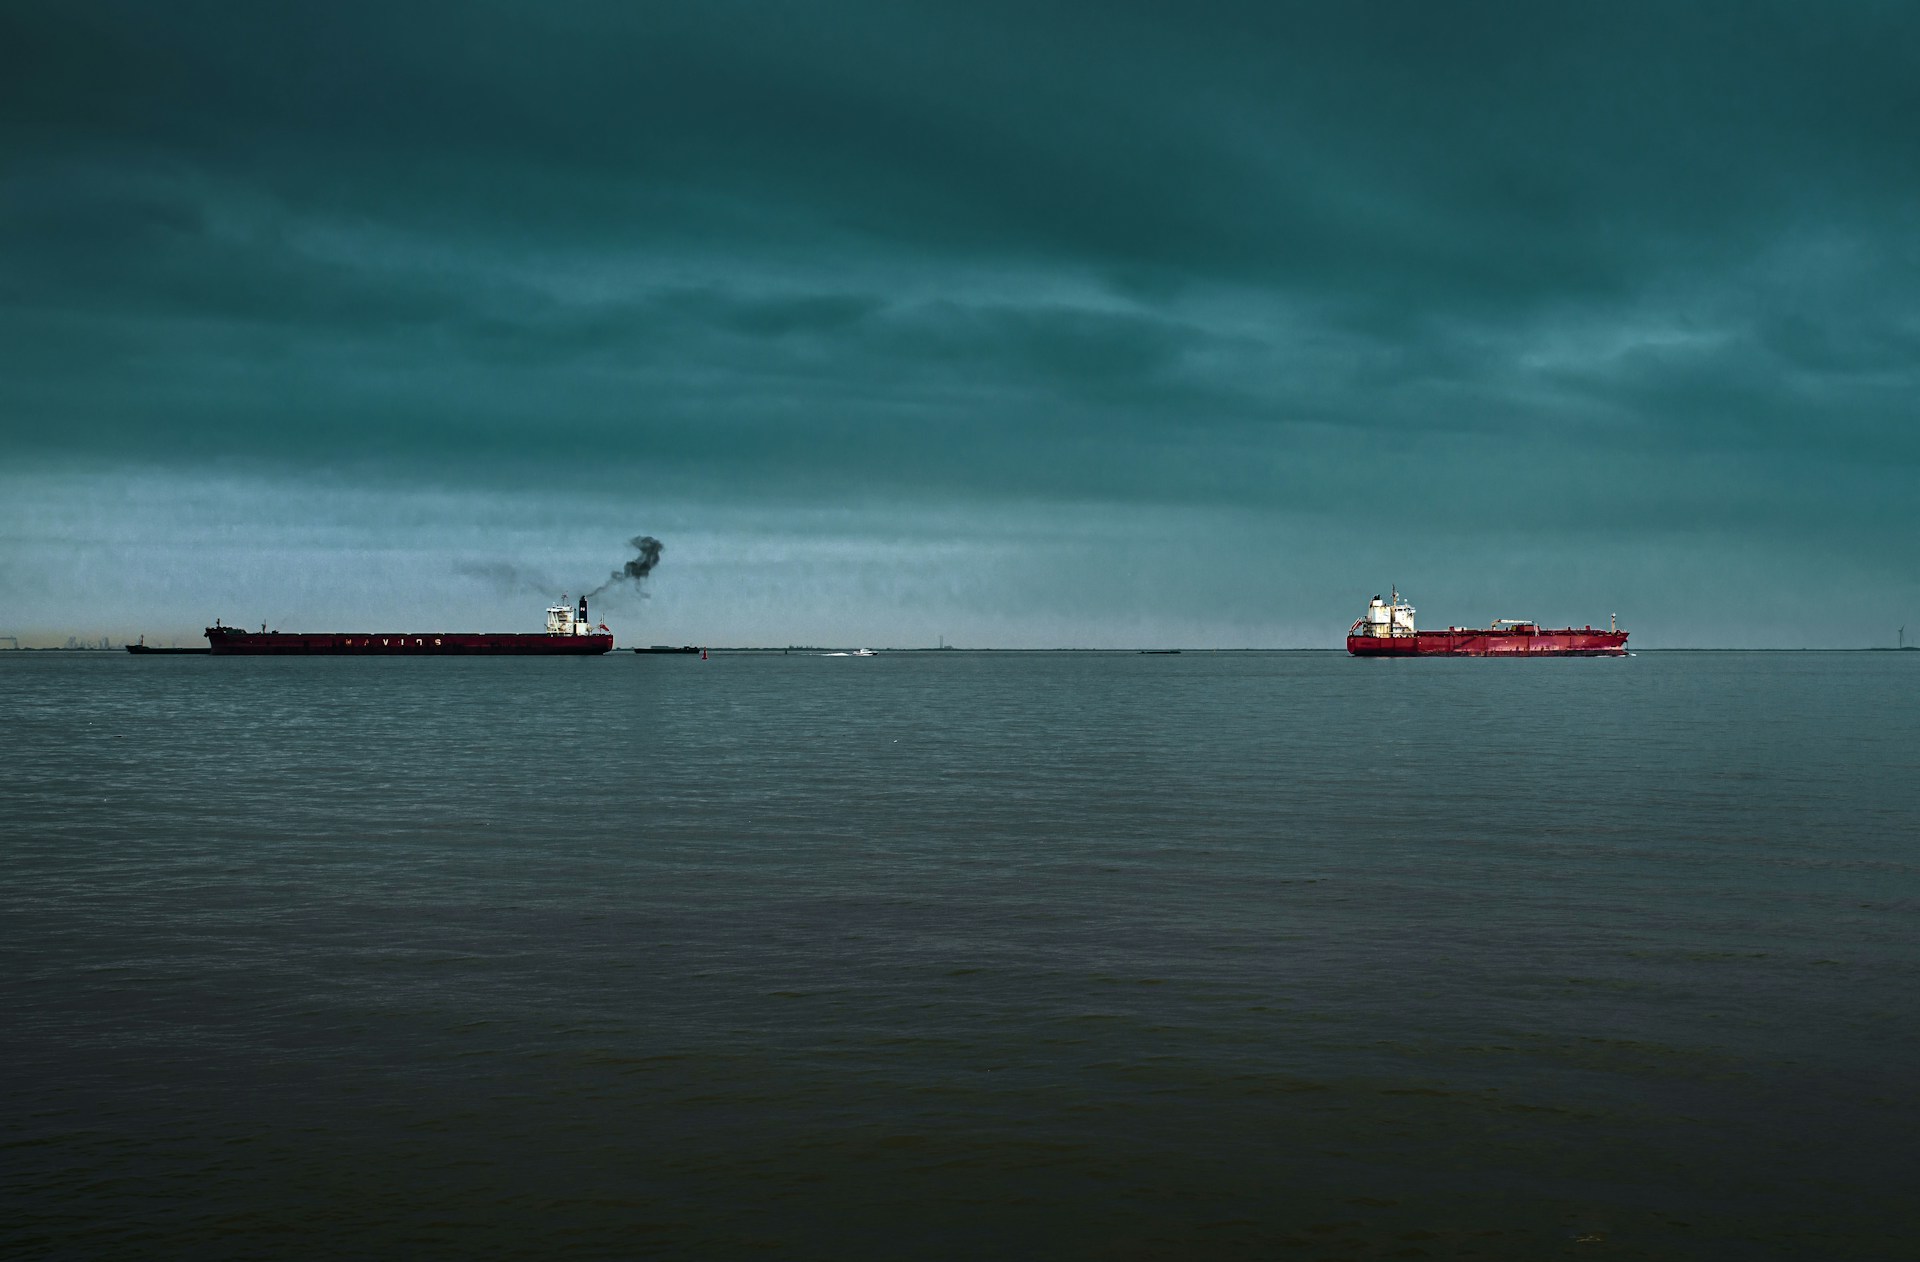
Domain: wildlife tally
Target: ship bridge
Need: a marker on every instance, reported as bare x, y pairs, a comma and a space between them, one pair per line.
1385, 619
565, 619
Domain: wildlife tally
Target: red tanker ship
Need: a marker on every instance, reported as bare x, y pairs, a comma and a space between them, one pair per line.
568, 632
1386, 630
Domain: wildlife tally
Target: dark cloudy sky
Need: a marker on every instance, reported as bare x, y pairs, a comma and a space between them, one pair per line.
1020, 324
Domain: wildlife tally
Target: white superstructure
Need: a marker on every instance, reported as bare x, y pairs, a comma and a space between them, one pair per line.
564, 619
1386, 618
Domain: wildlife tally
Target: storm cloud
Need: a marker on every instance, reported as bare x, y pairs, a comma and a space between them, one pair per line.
1612, 303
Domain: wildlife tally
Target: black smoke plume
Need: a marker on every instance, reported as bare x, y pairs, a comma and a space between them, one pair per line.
649, 549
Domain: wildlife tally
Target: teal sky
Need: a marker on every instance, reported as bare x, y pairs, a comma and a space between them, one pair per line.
1020, 324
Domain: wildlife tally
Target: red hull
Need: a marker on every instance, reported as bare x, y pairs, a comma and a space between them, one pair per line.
231, 640
1466, 642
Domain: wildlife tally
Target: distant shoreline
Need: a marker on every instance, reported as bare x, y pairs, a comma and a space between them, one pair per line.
1151, 649
1184, 649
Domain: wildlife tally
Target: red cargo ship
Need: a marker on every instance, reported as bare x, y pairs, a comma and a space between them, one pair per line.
1386, 630
568, 632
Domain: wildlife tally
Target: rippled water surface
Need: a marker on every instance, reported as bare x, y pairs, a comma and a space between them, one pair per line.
960, 955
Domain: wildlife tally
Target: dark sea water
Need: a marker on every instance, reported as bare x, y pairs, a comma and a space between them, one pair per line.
960, 955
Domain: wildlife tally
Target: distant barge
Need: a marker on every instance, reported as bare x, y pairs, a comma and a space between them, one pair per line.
568, 633
144, 647
1387, 630
669, 648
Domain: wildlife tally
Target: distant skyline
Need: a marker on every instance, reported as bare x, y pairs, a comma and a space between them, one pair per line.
1013, 325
